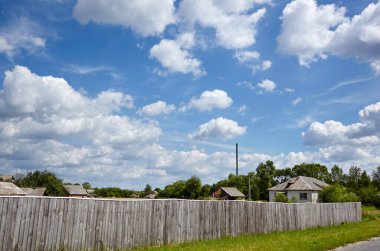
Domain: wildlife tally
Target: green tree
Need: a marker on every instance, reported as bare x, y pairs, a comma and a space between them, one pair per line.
147, 190
353, 178
337, 175
365, 179
265, 173
86, 185
367, 195
376, 178
337, 193
314, 170
193, 187
206, 191
283, 175
53, 185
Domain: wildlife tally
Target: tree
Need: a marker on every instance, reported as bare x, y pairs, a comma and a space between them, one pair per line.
353, 178
365, 180
86, 185
314, 170
337, 175
283, 175
147, 189
337, 193
193, 187
265, 173
53, 185
367, 195
280, 197
206, 191
376, 178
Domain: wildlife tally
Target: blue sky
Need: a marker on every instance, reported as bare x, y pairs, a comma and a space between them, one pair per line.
124, 93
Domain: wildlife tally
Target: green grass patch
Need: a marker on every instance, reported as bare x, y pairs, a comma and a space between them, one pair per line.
310, 239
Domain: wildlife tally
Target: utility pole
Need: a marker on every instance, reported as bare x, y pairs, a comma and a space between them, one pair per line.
237, 161
249, 186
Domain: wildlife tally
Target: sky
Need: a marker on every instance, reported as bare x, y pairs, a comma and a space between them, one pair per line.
126, 93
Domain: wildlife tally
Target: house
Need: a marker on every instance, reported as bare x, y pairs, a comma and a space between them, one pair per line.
302, 188
10, 189
7, 178
228, 193
76, 191
38, 191
152, 195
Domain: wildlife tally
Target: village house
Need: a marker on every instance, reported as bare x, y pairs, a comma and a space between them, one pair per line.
38, 191
152, 195
302, 188
7, 178
76, 191
228, 193
10, 189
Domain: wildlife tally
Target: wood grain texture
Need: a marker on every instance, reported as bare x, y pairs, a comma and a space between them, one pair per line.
50, 223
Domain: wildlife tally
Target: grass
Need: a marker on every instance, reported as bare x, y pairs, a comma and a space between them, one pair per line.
311, 239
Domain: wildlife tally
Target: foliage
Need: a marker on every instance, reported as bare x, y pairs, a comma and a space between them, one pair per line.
337, 175
111, 192
147, 190
265, 173
337, 193
86, 185
53, 185
314, 170
376, 178
280, 197
367, 195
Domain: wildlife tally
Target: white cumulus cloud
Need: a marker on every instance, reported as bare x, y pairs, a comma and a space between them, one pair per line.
208, 101
311, 31
175, 55
234, 23
148, 17
156, 109
219, 128
267, 85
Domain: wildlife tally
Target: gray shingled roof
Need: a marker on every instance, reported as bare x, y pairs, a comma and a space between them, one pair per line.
75, 190
7, 188
300, 183
38, 191
232, 191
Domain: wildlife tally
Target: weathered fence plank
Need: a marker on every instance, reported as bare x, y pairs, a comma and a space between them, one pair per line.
50, 223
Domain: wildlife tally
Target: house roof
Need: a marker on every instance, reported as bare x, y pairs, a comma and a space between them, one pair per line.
75, 190
300, 183
7, 188
38, 191
7, 177
232, 191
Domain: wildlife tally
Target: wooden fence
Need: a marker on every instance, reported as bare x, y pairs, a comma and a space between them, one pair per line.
50, 223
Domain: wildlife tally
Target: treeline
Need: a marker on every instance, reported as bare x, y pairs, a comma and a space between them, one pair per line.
357, 182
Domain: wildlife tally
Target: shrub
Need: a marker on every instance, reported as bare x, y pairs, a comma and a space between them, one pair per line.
337, 193
280, 197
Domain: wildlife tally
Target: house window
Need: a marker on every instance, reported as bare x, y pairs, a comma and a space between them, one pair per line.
303, 196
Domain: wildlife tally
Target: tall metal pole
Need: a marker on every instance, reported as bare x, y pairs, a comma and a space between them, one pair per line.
249, 186
237, 161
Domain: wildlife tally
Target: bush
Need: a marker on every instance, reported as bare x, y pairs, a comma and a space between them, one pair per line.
367, 195
280, 197
376, 201
337, 193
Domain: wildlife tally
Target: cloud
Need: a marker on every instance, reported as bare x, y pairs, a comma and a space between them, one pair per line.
175, 56
365, 132
246, 56
310, 32
156, 109
266, 65
209, 100
296, 101
302, 122
219, 128
22, 34
267, 85
242, 109
234, 24
147, 17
